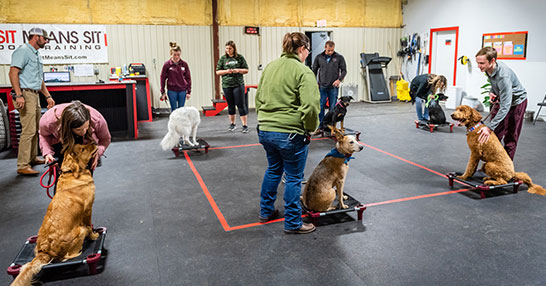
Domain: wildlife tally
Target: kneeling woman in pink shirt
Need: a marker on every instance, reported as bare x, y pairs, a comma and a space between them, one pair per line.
72, 123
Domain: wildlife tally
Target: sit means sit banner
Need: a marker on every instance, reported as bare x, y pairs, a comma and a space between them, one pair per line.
69, 44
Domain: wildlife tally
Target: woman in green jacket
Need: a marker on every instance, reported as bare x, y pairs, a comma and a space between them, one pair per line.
287, 104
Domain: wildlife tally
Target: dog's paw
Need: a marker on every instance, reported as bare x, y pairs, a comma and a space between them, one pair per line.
345, 197
93, 235
343, 206
462, 177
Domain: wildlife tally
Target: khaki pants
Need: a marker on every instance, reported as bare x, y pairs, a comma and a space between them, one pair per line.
30, 119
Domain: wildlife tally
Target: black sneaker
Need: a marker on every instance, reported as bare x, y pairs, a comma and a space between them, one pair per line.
245, 129
232, 127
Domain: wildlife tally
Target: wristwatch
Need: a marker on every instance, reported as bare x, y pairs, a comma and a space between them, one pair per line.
14, 95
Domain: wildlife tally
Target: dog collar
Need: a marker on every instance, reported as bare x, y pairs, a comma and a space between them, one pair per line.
335, 153
475, 126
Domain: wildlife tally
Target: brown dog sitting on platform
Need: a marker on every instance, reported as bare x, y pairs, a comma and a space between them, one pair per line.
498, 166
68, 218
319, 192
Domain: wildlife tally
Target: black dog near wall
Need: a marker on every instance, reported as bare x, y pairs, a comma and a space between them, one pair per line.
435, 112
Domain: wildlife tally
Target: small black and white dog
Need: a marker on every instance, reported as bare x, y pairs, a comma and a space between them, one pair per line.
435, 112
337, 114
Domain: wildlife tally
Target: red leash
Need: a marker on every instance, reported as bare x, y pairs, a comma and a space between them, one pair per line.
52, 170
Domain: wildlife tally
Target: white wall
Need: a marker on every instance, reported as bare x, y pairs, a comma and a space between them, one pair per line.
475, 18
149, 44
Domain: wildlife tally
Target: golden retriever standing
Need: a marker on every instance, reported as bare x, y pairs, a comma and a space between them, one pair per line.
68, 218
498, 166
319, 193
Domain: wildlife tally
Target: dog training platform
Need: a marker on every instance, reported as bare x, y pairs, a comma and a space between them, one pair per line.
201, 144
347, 132
478, 186
93, 254
431, 127
352, 203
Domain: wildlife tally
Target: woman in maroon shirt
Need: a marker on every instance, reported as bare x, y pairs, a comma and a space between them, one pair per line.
177, 74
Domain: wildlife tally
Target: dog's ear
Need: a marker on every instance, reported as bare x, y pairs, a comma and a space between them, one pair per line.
70, 164
475, 115
351, 98
336, 132
88, 152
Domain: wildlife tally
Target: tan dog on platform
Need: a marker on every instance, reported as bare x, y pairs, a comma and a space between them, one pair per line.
498, 166
68, 218
319, 192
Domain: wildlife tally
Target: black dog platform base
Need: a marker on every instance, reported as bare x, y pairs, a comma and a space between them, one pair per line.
201, 145
90, 262
478, 186
352, 203
347, 131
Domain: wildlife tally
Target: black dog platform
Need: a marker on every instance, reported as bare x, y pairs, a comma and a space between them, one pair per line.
201, 144
431, 126
352, 203
348, 131
477, 185
90, 262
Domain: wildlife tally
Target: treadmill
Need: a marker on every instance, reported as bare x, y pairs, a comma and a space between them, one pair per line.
373, 67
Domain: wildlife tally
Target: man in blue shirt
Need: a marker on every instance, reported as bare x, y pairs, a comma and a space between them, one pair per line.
26, 77
510, 98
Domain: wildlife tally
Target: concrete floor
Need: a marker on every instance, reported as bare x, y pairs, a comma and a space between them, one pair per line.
178, 221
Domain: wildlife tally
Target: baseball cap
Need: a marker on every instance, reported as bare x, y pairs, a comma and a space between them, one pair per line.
39, 32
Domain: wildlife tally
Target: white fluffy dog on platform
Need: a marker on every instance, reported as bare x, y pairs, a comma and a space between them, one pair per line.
183, 122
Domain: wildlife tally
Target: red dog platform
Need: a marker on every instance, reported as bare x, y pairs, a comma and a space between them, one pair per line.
90, 262
431, 127
477, 185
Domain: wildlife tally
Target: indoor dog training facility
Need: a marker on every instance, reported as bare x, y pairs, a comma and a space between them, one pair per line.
246, 142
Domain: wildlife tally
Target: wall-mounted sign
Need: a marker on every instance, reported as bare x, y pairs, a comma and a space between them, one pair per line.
69, 43
252, 30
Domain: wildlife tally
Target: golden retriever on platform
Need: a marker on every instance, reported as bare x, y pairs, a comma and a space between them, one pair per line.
498, 166
319, 192
68, 218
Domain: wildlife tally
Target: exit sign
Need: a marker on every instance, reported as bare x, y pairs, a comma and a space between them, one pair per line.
252, 30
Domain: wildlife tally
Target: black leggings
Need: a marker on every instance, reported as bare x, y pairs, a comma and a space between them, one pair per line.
236, 96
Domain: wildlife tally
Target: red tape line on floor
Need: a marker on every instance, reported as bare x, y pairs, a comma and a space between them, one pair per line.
226, 227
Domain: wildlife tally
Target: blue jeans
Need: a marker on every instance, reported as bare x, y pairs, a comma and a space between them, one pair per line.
285, 152
419, 102
329, 93
176, 98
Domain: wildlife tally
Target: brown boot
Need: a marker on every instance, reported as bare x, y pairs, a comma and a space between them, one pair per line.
28, 171
304, 229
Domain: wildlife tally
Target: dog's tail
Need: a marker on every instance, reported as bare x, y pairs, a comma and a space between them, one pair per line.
170, 140
30, 269
532, 188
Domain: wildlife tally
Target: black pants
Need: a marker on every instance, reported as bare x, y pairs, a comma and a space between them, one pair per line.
235, 96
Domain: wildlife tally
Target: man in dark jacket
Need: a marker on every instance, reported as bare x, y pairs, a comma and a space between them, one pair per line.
331, 69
